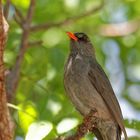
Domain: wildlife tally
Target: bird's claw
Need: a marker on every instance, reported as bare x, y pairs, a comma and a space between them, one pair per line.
91, 119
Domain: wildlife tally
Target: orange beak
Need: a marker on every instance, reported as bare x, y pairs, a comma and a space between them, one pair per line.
72, 36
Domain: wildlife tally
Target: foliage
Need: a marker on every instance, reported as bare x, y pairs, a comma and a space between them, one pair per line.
42, 106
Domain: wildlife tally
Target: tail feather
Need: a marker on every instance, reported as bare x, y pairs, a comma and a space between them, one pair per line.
118, 133
111, 133
97, 133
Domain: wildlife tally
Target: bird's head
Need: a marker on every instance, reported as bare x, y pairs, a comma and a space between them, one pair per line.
79, 42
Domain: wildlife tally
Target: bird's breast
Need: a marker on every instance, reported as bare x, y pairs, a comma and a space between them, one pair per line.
77, 65
80, 90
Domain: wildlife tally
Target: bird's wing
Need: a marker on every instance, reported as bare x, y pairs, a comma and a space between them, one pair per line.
101, 83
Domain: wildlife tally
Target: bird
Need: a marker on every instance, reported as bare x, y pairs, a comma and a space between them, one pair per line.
89, 88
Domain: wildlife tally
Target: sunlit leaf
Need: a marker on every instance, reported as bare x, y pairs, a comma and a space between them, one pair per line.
66, 125
27, 115
54, 107
38, 130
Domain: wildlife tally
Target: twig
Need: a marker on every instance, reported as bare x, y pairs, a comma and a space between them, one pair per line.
18, 21
19, 14
21, 110
30, 12
69, 20
19, 18
6, 8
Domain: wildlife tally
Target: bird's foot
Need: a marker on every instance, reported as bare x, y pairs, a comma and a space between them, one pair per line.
87, 125
91, 119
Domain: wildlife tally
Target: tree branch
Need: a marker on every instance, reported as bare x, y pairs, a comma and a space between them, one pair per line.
30, 12
69, 20
13, 77
19, 14
18, 21
19, 18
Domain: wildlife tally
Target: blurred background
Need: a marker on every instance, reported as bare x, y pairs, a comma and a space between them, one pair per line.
39, 106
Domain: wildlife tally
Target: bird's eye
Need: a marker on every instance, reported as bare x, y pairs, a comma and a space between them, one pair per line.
81, 36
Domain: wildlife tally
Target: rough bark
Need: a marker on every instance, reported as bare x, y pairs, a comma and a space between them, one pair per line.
6, 125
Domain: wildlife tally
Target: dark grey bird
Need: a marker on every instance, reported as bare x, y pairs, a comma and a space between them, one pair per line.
89, 89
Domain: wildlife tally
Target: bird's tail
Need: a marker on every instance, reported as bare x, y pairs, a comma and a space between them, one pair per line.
97, 134
111, 134
118, 133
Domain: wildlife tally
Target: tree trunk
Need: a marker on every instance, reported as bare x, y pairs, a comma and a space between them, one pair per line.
6, 125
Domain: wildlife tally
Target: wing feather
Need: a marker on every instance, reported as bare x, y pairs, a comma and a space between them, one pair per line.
101, 83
